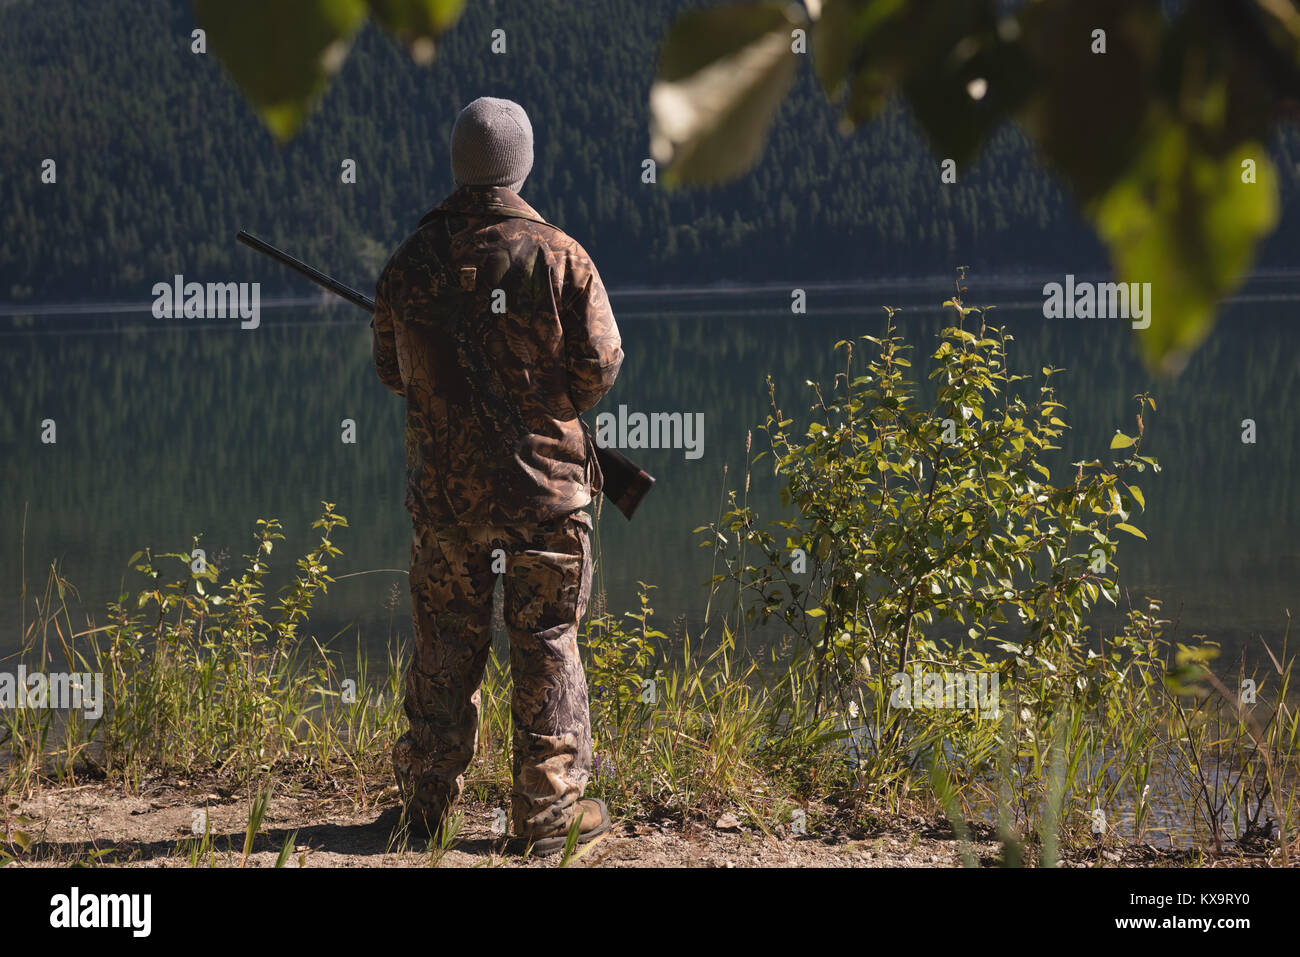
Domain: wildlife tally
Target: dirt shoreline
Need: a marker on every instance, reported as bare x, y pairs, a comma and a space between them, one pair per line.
105, 824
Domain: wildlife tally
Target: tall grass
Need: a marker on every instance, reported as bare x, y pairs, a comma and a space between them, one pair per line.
201, 679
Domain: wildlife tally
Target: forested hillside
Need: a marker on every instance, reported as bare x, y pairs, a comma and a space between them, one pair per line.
159, 161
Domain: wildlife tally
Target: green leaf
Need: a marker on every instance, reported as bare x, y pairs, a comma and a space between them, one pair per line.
281, 54
417, 23
962, 79
1138, 496
722, 73
1183, 222
844, 27
1125, 527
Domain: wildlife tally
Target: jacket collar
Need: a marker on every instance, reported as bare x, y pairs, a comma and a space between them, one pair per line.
484, 201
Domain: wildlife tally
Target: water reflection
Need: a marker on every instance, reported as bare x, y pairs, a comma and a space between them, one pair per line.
167, 429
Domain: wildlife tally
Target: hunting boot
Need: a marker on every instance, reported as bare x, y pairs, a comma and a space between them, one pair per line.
593, 821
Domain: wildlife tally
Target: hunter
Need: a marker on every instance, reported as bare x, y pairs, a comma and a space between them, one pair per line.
496, 329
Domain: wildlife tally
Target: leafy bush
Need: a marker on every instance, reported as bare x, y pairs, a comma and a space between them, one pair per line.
911, 517
913, 523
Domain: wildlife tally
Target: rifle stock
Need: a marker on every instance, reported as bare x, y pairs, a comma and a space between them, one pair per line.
624, 482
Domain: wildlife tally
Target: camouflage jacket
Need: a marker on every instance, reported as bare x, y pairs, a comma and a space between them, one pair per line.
495, 327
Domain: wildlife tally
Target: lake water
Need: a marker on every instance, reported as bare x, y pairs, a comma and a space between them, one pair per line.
171, 428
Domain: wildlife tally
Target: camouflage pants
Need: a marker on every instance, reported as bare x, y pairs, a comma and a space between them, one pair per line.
547, 583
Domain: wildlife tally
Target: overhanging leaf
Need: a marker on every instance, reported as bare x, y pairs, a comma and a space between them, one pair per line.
960, 74
1186, 223
839, 39
282, 53
417, 24
1147, 113
962, 78
722, 74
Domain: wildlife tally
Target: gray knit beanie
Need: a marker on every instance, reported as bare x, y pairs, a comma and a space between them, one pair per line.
492, 144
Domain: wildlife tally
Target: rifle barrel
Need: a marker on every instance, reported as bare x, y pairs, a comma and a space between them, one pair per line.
315, 275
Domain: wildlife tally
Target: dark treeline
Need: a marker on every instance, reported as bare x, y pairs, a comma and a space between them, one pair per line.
159, 161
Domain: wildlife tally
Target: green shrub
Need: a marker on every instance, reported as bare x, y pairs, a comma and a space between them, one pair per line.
931, 541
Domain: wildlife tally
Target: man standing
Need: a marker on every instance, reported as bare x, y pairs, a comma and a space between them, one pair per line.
495, 327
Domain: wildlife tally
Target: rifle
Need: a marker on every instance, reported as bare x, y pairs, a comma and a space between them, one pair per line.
625, 483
